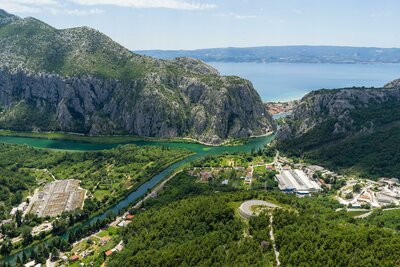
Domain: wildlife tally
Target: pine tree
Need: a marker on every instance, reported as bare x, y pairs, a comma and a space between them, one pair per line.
18, 218
24, 257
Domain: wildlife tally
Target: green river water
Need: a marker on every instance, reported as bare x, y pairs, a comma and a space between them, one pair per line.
200, 150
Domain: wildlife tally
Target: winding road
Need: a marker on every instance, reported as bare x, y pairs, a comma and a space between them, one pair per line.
246, 212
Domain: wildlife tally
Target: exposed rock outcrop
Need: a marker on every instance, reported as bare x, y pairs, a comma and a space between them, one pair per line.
344, 108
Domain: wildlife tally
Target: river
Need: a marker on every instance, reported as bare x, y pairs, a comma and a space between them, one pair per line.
200, 150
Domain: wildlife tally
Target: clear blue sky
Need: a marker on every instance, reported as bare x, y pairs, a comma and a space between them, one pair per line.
192, 24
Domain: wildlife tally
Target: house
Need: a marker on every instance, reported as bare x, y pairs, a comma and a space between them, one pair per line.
30, 264
104, 240
74, 258
119, 247
6, 221
108, 252
123, 223
129, 217
205, 176
13, 211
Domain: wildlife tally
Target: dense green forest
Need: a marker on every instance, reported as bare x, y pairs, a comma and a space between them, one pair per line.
190, 224
369, 155
200, 231
315, 235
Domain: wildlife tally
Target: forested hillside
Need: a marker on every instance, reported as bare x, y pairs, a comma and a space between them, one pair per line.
203, 228
354, 130
202, 231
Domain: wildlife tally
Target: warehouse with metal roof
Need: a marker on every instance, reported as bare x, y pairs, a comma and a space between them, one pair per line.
297, 181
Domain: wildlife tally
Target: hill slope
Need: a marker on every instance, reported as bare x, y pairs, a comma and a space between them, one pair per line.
356, 129
79, 80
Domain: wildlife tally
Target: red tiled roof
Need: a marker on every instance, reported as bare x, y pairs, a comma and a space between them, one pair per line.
108, 253
130, 216
74, 257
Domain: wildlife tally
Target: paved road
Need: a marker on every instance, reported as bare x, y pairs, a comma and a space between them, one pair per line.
246, 212
365, 215
245, 209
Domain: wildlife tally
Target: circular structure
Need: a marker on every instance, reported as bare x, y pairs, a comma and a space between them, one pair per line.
245, 208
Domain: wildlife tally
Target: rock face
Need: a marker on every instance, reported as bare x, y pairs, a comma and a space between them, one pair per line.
349, 111
393, 84
79, 80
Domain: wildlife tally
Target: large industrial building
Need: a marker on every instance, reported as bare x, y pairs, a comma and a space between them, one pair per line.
297, 181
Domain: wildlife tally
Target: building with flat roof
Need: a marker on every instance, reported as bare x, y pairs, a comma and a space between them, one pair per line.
297, 181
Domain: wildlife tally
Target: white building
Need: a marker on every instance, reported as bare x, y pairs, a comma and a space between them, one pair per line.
297, 181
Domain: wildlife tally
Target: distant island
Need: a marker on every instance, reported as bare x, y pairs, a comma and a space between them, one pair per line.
285, 54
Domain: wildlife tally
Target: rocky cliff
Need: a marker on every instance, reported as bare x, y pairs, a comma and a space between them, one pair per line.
393, 84
355, 130
327, 115
79, 80
348, 111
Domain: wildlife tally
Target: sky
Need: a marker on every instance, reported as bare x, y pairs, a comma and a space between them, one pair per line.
195, 24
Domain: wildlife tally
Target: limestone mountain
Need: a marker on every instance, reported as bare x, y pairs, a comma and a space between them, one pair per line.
79, 80
350, 128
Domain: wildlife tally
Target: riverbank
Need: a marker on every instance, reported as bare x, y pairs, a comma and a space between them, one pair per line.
100, 139
115, 139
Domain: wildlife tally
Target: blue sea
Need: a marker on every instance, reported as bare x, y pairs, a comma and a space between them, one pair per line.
289, 81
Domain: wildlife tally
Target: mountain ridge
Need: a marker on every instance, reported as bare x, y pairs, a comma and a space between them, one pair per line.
286, 54
80, 80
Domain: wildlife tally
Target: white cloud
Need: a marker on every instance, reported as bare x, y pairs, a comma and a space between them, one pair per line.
77, 12
237, 16
77, 7
297, 11
380, 15
18, 8
34, 2
170, 4
45, 6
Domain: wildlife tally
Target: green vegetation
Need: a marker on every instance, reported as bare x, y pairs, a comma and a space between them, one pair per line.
385, 218
316, 235
201, 231
190, 224
240, 159
29, 38
371, 154
233, 168
108, 176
